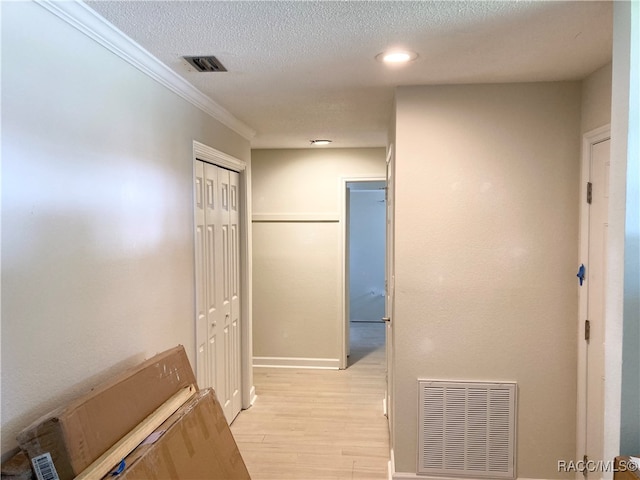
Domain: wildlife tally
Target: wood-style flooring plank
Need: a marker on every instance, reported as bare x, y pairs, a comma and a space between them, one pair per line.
320, 424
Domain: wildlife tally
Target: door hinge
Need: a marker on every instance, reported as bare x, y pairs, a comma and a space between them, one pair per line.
585, 459
587, 330
589, 192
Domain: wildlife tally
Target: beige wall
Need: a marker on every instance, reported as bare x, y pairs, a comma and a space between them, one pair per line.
297, 277
97, 243
596, 113
630, 398
596, 99
486, 250
622, 292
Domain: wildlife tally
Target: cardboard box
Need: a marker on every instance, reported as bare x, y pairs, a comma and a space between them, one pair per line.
78, 433
17, 467
194, 443
625, 469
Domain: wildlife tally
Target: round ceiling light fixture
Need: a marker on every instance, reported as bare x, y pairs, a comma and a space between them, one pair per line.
320, 142
396, 57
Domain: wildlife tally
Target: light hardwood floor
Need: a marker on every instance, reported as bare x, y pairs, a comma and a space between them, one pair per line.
320, 424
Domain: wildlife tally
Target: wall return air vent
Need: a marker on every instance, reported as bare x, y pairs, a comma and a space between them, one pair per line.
206, 64
467, 429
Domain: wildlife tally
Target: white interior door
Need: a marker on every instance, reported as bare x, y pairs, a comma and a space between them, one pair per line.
234, 354
390, 285
595, 281
202, 325
221, 327
347, 277
218, 285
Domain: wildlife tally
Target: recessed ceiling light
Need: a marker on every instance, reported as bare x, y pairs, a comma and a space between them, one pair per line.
396, 56
320, 142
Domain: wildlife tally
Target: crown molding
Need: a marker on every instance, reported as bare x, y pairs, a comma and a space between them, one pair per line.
83, 18
211, 155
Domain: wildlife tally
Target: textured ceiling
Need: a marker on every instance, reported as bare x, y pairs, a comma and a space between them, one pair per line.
299, 70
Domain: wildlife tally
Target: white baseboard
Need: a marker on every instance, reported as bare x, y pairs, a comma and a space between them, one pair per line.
252, 395
391, 464
393, 475
404, 476
295, 217
297, 362
415, 476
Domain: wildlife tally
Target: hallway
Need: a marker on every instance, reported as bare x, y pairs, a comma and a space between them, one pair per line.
320, 424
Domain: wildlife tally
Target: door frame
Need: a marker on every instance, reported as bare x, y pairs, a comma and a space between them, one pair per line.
208, 154
589, 139
390, 177
344, 271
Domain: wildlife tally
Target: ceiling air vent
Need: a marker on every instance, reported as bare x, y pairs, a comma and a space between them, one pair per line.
206, 64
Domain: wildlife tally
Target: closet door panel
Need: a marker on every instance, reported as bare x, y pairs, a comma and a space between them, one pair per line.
224, 396
234, 281
202, 361
218, 284
214, 280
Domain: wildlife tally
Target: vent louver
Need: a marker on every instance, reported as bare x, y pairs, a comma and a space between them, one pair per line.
467, 429
206, 64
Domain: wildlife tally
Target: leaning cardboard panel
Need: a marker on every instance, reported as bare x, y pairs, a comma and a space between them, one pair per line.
78, 433
195, 443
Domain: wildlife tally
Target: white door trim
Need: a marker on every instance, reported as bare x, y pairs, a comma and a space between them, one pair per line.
588, 140
389, 274
221, 159
344, 270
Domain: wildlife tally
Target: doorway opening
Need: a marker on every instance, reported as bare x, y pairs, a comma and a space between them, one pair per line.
365, 246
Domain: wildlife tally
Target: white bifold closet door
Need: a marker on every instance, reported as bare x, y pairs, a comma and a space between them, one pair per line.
218, 284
